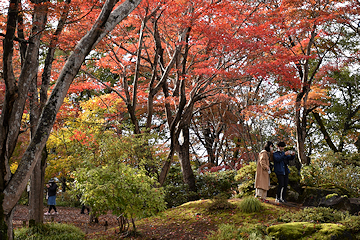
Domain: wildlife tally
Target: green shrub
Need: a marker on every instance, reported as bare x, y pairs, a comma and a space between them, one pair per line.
230, 232
220, 202
333, 170
352, 224
52, 231
208, 184
67, 199
246, 177
315, 215
120, 189
176, 191
250, 204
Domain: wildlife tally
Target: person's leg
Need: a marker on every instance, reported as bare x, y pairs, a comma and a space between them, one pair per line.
257, 193
280, 187
286, 182
82, 209
263, 194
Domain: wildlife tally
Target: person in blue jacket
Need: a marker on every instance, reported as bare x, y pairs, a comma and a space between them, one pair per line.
281, 169
51, 194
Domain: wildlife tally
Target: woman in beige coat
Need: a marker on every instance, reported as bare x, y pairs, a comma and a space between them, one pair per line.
262, 177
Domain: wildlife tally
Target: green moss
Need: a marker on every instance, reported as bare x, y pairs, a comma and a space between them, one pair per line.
305, 230
331, 195
316, 215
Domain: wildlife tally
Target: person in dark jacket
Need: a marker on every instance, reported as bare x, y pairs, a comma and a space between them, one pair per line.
52, 188
281, 169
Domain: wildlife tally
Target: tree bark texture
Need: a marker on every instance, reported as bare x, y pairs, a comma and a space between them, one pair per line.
16, 95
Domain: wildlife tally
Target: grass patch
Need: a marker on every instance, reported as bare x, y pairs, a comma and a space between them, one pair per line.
52, 231
250, 204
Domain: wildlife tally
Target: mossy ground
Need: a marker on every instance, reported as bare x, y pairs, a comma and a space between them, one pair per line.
194, 220
306, 230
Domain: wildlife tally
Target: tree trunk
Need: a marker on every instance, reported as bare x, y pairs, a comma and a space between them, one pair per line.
324, 132
10, 191
184, 157
300, 120
208, 144
36, 196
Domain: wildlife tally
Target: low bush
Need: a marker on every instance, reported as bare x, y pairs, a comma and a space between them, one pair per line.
230, 232
246, 178
336, 170
208, 184
315, 215
220, 202
250, 204
52, 231
352, 224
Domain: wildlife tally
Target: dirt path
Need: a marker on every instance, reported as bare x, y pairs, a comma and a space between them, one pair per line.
67, 215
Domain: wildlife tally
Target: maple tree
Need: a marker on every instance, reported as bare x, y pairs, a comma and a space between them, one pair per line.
307, 42
174, 64
18, 82
178, 56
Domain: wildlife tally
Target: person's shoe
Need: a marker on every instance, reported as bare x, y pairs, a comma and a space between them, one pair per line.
265, 200
55, 213
47, 213
278, 201
283, 200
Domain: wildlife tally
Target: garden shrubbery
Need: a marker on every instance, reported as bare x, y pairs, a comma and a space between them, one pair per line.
220, 202
316, 215
209, 185
246, 178
337, 170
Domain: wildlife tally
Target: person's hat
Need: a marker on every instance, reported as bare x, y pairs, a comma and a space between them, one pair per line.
51, 181
281, 144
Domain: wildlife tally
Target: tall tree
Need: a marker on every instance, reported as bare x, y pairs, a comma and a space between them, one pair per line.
339, 122
307, 42
16, 92
185, 54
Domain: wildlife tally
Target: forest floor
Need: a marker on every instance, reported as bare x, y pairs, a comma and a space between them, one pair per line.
188, 221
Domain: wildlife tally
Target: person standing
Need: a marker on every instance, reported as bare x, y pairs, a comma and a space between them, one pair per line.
262, 177
281, 169
52, 188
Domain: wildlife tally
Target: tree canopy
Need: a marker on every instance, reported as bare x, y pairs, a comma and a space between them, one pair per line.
212, 80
